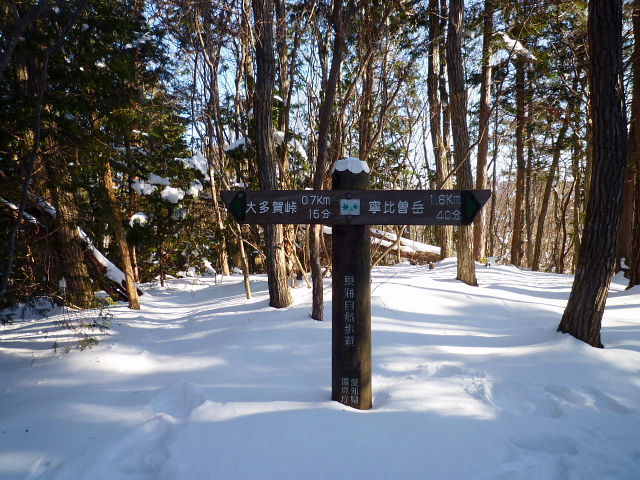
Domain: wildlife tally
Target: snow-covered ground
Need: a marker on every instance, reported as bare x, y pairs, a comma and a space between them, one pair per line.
469, 383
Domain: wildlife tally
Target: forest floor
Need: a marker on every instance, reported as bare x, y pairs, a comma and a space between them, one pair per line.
468, 383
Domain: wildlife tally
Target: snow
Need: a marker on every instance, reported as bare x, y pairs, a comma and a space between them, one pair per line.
515, 46
143, 188
278, 137
406, 245
156, 179
139, 218
47, 207
469, 383
172, 195
112, 272
196, 162
209, 271
241, 142
195, 188
293, 143
13, 206
352, 164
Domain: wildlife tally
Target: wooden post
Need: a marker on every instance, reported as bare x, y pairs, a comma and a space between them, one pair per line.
351, 298
350, 208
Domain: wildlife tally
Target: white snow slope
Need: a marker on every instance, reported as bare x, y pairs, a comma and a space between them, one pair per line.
469, 383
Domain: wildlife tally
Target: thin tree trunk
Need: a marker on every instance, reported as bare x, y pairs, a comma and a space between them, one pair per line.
551, 175
462, 150
341, 26
518, 219
440, 149
483, 127
121, 240
245, 263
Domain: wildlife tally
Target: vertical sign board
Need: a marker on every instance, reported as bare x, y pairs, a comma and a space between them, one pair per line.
350, 208
351, 295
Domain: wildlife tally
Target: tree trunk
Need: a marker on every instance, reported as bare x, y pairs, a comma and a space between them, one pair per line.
462, 151
79, 290
583, 316
518, 219
634, 150
11, 40
341, 26
483, 127
279, 293
41, 89
121, 240
551, 175
577, 212
440, 148
245, 263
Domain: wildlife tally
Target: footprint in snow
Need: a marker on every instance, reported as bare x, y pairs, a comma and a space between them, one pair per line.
514, 397
589, 397
178, 400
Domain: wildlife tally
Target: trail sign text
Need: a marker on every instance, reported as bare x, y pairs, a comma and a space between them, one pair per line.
356, 207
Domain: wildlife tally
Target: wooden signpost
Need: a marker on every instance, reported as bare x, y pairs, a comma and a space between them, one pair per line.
350, 208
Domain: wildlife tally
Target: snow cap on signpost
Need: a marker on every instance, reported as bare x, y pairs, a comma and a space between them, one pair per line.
351, 164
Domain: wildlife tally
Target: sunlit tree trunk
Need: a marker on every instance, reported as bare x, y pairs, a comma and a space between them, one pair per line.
121, 240
462, 150
341, 26
440, 148
546, 196
518, 219
483, 127
279, 293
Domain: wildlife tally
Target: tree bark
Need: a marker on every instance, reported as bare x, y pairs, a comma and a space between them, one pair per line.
341, 26
440, 148
74, 272
279, 293
483, 127
121, 240
462, 150
551, 175
44, 75
634, 151
518, 219
23, 22
583, 316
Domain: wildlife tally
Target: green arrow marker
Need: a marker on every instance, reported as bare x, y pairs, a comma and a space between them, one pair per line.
239, 206
470, 207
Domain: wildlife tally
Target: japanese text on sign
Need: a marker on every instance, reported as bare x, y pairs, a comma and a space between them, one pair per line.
357, 207
349, 311
350, 390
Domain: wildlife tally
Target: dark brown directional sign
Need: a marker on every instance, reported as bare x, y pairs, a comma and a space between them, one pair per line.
356, 207
350, 207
